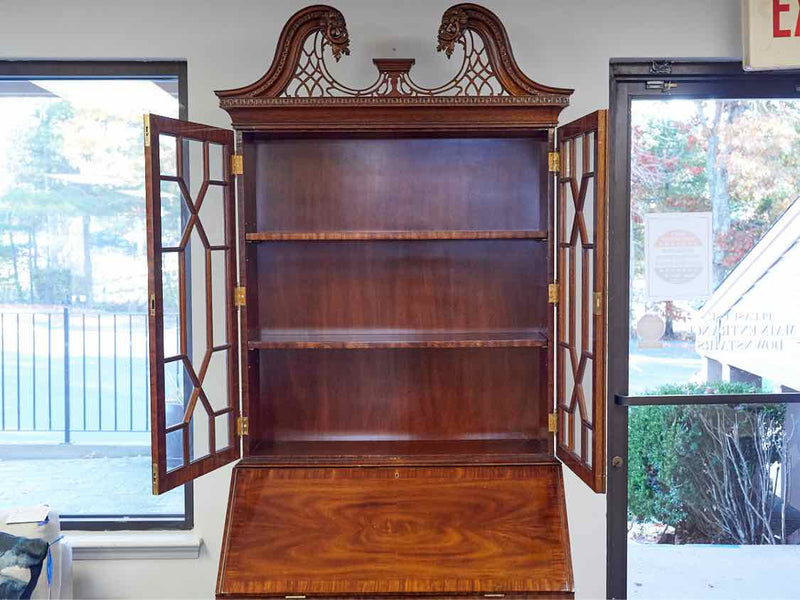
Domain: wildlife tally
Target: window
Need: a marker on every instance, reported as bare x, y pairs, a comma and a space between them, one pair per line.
74, 394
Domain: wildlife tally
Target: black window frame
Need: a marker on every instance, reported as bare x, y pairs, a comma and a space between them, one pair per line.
653, 78
114, 69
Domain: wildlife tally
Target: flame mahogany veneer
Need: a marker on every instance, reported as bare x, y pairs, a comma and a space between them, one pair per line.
371, 532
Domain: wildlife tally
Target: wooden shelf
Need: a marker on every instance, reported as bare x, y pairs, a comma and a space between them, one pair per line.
405, 452
386, 338
354, 236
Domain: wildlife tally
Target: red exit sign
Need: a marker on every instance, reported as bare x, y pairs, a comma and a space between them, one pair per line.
771, 34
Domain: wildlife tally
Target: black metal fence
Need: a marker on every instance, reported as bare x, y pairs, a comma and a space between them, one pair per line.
73, 371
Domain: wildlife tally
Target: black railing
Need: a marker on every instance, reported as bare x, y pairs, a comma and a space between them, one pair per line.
74, 371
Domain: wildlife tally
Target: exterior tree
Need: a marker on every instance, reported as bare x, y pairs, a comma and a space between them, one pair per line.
77, 166
717, 154
30, 203
739, 159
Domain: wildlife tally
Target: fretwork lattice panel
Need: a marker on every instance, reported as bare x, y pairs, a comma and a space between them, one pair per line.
191, 235
580, 320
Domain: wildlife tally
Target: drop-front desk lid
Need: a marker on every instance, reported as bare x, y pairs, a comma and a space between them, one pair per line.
373, 531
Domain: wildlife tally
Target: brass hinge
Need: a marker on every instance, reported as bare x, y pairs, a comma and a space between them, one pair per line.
294, 597
598, 303
152, 305
494, 595
146, 119
552, 422
552, 293
155, 479
242, 426
237, 164
239, 296
554, 162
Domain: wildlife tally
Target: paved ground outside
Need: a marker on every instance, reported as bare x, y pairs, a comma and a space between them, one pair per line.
673, 362
694, 571
93, 484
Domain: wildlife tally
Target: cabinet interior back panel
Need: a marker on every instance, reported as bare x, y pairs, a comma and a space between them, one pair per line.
452, 285
402, 394
401, 184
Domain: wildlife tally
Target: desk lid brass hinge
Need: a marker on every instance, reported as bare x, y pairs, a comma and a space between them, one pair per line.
552, 422
239, 296
554, 162
242, 426
552, 293
237, 164
598, 303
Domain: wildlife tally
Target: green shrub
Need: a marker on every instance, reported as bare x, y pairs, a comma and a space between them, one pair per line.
665, 444
653, 435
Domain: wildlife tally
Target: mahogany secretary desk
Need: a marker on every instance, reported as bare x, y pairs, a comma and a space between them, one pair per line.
410, 282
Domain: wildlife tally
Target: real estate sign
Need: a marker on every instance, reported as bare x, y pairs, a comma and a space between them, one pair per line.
771, 34
678, 255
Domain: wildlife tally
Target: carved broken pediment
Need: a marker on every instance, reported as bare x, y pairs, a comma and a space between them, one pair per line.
488, 72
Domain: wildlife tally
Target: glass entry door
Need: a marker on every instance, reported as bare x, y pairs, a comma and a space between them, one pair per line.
707, 419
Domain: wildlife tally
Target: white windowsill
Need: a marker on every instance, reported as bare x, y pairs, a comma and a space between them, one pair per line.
125, 545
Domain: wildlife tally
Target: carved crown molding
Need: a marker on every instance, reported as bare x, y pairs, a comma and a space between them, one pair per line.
299, 75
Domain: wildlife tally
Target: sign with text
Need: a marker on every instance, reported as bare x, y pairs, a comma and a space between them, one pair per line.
742, 331
771, 34
677, 255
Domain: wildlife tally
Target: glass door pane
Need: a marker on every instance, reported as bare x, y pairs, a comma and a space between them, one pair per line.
713, 497
714, 309
715, 271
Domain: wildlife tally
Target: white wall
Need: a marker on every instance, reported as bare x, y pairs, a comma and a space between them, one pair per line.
230, 43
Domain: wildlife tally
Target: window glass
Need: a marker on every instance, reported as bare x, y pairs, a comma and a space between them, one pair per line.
74, 396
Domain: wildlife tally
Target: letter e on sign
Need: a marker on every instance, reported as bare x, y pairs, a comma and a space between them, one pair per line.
771, 34
779, 7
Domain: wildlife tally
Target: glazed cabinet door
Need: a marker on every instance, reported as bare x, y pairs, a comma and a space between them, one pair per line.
191, 243
580, 346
